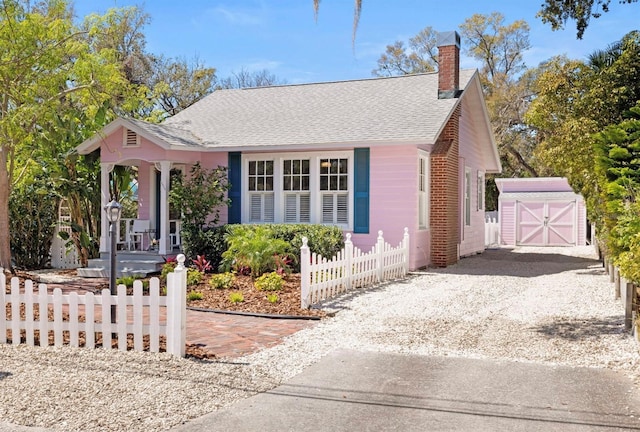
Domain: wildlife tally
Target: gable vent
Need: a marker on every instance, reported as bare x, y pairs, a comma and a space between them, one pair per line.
131, 139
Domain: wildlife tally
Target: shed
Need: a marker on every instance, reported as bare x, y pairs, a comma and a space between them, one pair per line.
542, 211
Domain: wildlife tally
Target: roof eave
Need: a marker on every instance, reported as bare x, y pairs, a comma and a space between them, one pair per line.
95, 141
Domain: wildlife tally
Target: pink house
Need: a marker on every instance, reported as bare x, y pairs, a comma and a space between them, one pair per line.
365, 155
542, 211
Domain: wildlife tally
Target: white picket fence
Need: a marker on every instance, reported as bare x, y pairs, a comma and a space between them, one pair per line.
89, 314
491, 230
350, 268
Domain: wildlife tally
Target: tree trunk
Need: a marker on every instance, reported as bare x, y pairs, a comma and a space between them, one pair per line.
5, 237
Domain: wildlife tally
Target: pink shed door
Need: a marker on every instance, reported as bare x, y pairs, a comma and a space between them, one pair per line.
547, 223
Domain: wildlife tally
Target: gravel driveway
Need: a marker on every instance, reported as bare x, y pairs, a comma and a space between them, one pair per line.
543, 305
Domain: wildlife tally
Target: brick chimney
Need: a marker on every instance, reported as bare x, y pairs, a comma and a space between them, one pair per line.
448, 65
445, 171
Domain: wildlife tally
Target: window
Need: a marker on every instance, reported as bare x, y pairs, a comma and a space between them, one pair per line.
467, 196
131, 139
261, 199
423, 191
310, 187
296, 185
334, 180
480, 190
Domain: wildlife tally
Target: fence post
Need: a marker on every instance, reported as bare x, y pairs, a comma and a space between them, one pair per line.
348, 265
407, 251
177, 309
628, 305
616, 282
3, 307
379, 252
305, 274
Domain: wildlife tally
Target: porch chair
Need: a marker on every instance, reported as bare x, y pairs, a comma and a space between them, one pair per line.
139, 229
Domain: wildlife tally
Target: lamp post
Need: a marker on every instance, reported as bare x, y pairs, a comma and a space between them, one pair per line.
113, 210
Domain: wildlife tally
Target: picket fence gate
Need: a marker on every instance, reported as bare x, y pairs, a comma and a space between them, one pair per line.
322, 279
82, 316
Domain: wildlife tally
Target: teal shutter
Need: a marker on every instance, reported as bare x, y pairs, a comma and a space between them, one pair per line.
361, 190
235, 190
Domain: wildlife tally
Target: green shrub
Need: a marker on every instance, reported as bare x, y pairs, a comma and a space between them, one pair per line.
222, 280
236, 297
253, 249
194, 276
272, 298
206, 241
126, 281
322, 239
33, 210
167, 268
269, 282
194, 295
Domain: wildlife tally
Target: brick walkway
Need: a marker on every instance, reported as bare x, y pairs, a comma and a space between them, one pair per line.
235, 335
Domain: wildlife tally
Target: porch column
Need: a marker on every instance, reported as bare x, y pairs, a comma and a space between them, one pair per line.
165, 169
105, 169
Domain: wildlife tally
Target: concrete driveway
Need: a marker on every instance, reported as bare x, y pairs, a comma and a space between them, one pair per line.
366, 391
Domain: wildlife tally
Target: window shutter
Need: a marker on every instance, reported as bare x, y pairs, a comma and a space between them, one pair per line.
256, 208
361, 191
305, 208
342, 211
268, 207
291, 208
235, 194
297, 208
327, 208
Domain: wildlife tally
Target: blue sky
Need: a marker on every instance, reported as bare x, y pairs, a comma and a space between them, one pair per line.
283, 37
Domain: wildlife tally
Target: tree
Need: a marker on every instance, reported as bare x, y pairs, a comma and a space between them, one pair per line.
178, 84
46, 64
575, 105
421, 55
200, 196
246, 79
554, 12
558, 12
497, 45
507, 87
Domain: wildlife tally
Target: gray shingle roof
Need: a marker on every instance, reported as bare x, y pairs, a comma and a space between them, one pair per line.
171, 135
379, 109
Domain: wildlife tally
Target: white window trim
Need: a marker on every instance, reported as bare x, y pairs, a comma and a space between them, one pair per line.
481, 191
425, 207
314, 183
467, 196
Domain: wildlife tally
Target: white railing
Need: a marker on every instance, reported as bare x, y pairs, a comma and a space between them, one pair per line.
89, 314
491, 230
350, 268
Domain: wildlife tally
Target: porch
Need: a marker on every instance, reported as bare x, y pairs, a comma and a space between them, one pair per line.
138, 253
128, 263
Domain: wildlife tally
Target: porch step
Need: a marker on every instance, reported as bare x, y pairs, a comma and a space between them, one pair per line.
128, 264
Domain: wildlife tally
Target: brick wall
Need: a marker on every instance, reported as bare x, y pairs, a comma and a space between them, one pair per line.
445, 200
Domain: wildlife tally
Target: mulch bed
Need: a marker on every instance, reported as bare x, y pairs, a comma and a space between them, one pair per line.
255, 301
